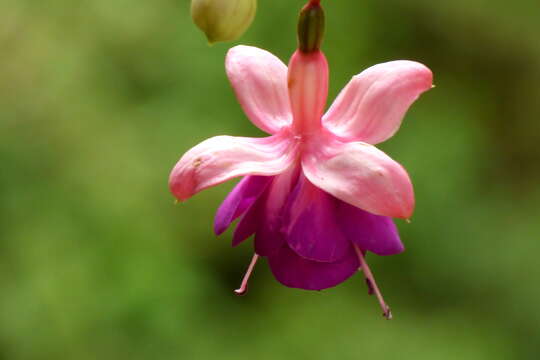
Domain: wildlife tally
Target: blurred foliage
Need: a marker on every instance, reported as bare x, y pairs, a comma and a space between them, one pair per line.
98, 99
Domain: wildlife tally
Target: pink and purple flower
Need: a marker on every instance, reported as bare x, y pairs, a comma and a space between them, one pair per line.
316, 194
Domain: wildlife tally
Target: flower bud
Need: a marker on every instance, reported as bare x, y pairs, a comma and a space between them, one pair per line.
223, 20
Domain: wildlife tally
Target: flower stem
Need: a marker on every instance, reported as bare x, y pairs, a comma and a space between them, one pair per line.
244, 286
372, 285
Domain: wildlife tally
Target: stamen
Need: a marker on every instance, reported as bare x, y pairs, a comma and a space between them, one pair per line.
244, 286
370, 290
372, 285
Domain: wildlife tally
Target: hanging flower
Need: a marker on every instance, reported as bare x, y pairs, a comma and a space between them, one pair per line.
316, 194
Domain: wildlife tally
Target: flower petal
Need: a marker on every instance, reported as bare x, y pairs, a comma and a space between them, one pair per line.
239, 200
374, 233
221, 158
266, 216
370, 108
295, 271
361, 175
259, 80
311, 224
249, 223
270, 236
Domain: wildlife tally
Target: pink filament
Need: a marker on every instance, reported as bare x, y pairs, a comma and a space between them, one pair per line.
244, 286
372, 285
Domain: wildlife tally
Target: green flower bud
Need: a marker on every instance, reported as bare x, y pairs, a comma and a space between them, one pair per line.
223, 20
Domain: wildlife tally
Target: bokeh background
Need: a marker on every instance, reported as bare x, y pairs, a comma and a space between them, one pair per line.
98, 99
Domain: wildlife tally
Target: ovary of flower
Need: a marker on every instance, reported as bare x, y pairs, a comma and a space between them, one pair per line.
317, 192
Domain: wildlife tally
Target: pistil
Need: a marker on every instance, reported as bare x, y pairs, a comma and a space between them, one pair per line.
372, 284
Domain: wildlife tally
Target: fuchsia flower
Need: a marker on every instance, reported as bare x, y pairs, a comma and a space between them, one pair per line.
317, 194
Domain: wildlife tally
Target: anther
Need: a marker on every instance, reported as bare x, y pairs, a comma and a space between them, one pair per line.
370, 290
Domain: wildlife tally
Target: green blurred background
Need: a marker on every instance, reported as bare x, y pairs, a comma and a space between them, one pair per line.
98, 99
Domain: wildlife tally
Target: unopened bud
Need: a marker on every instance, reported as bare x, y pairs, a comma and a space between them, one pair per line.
223, 20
